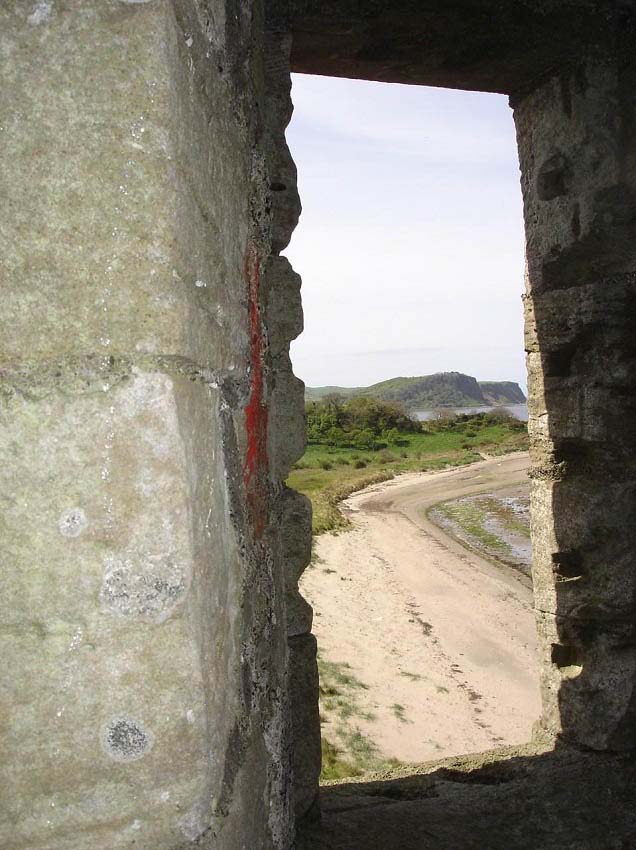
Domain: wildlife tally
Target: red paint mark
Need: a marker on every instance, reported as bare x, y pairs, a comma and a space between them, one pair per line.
255, 466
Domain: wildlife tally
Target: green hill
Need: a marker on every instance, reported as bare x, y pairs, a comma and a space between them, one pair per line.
444, 389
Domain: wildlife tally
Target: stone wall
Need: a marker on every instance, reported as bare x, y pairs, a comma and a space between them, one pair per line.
286, 427
159, 686
577, 143
143, 692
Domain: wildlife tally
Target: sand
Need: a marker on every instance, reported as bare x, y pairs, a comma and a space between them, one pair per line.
444, 639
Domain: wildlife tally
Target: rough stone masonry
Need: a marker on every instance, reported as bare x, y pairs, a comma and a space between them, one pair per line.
159, 686
145, 408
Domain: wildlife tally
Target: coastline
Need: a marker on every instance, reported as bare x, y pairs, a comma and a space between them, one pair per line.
440, 641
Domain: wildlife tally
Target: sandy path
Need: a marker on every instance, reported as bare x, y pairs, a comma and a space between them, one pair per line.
426, 624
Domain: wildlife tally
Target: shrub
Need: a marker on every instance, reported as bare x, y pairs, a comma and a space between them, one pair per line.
392, 435
359, 463
325, 464
386, 457
364, 439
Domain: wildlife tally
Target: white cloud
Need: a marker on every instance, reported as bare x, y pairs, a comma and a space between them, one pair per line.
432, 127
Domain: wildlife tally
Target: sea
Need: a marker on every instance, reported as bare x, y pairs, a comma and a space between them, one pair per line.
520, 411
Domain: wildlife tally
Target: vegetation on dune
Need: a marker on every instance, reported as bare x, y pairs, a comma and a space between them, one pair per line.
358, 442
346, 751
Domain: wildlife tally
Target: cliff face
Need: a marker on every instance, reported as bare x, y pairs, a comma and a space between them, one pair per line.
444, 389
502, 392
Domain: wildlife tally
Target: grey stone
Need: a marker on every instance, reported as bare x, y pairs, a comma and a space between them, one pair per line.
579, 336
139, 603
299, 613
88, 160
112, 671
295, 532
283, 304
286, 425
148, 191
306, 760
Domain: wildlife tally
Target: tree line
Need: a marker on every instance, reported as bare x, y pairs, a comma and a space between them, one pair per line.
360, 423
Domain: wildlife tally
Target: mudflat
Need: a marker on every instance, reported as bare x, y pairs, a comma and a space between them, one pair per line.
437, 644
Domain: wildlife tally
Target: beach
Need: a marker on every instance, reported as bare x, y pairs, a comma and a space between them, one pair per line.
437, 642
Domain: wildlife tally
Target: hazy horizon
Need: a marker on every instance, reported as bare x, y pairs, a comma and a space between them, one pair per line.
355, 386
411, 243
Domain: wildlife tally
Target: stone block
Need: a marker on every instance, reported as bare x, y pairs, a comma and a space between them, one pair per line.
124, 175
286, 422
284, 310
587, 673
567, 146
582, 552
119, 582
285, 198
575, 135
296, 542
299, 612
306, 759
295, 533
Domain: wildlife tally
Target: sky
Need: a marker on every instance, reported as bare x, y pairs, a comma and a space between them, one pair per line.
410, 243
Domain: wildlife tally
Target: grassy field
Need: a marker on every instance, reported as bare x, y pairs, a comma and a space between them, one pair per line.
328, 474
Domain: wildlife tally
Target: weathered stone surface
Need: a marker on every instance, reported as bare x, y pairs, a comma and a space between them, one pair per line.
299, 612
284, 198
286, 423
306, 759
295, 532
113, 546
519, 798
286, 426
582, 566
117, 135
283, 304
144, 696
485, 45
295, 556
587, 684
576, 141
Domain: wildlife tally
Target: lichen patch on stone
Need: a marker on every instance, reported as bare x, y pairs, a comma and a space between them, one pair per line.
126, 739
194, 823
40, 14
150, 590
72, 522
